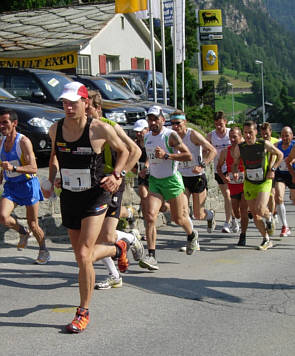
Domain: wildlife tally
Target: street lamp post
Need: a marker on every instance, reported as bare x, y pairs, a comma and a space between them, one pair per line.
233, 101
262, 89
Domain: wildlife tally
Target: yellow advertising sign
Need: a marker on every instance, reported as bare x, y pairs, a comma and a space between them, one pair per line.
209, 59
54, 61
210, 20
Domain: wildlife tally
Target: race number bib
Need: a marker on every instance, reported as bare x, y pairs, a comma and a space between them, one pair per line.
186, 165
283, 166
76, 180
240, 179
255, 175
153, 159
11, 174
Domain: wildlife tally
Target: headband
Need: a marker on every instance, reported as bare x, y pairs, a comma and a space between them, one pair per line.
179, 117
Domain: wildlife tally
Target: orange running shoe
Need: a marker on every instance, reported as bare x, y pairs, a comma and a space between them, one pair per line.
123, 262
80, 321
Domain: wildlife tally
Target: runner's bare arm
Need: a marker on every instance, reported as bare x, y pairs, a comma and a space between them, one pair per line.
176, 142
30, 165
236, 161
134, 150
209, 152
220, 163
275, 152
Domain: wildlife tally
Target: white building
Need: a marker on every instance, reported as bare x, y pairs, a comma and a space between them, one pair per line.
83, 39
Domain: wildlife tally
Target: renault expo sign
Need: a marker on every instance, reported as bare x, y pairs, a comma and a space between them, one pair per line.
210, 21
55, 61
209, 59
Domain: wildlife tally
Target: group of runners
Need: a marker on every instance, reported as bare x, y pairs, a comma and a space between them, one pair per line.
89, 160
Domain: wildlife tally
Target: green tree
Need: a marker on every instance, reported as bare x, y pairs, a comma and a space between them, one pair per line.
222, 86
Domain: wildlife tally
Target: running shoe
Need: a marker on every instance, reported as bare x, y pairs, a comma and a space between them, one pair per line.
43, 257
250, 215
23, 240
266, 244
123, 262
235, 226
242, 239
149, 262
110, 282
136, 247
193, 245
79, 322
225, 228
270, 227
285, 231
211, 224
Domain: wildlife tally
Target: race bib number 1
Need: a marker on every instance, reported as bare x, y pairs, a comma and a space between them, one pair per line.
76, 180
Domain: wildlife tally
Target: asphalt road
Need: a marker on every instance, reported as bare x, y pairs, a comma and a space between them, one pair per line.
224, 300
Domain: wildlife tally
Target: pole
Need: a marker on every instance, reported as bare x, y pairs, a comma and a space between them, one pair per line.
233, 102
163, 53
174, 55
199, 52
262, 91
153, 50
183, 49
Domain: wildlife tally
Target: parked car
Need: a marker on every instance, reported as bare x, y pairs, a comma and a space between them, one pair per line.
121, 96
34, 120
36, 85
132, 82
147, 78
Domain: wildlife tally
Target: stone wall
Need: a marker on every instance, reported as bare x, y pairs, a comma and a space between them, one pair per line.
50, 219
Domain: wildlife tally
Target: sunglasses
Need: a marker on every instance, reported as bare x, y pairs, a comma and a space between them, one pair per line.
176, 122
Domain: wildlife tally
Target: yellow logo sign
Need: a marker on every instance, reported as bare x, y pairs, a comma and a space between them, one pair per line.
210, 17
55, 61
209, 59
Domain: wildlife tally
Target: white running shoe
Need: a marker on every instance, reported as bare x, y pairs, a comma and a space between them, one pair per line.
235, 226
226, 228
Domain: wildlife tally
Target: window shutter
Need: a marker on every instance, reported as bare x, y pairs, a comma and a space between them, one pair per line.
134, 63
102, 64
147, 64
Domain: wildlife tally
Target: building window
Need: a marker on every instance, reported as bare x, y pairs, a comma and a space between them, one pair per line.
113, 63
83, 65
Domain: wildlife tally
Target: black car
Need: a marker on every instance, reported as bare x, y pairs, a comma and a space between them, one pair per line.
34, 120
36, 85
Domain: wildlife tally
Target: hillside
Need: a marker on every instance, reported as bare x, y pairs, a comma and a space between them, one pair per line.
283, 11
250, 33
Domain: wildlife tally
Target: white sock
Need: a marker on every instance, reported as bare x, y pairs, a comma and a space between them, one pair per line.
111, 267
281, 209
124, 235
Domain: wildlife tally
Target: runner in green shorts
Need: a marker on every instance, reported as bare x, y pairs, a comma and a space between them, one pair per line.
259, 174
164, 149
170, 187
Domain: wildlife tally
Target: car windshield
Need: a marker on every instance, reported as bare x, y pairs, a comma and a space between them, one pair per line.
54, 83
5, 95
112, 91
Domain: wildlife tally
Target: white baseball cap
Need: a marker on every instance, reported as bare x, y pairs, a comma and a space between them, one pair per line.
155, 110
73, 91
140, 125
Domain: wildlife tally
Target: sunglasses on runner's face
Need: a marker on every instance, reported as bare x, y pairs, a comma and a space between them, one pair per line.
176, 122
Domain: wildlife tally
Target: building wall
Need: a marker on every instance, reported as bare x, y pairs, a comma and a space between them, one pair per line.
117, 41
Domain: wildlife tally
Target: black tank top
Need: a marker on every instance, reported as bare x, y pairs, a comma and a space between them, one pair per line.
79, 154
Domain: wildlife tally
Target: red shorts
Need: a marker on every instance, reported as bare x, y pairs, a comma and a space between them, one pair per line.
235, 188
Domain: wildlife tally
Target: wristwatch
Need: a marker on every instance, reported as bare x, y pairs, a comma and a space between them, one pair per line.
14, 169
166, 156
116, 174
273, 169
123, 173
202, 164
